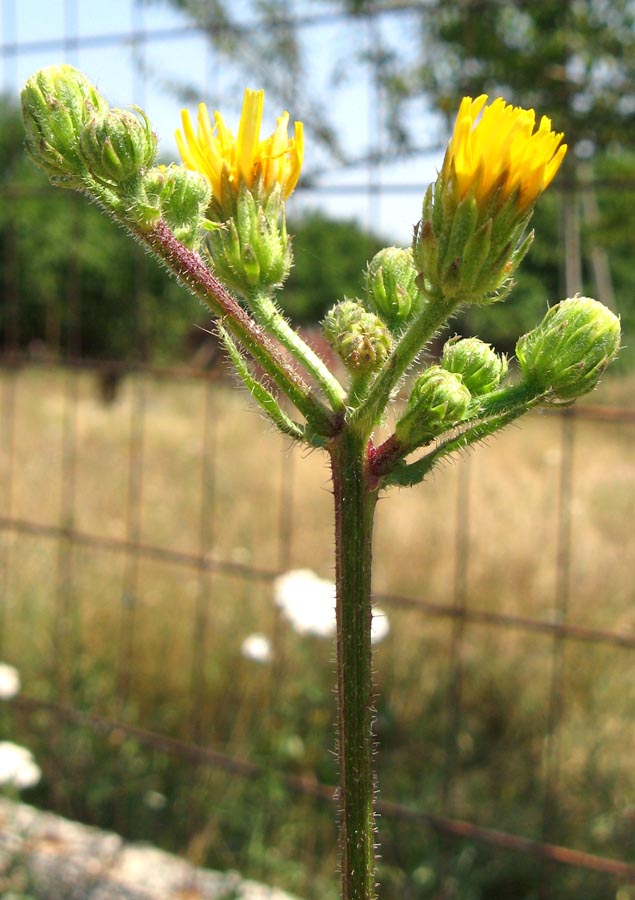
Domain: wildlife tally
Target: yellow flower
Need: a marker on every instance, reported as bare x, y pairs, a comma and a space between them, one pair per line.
502, 147
224, 159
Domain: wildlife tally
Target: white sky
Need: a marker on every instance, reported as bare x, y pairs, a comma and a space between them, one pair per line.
47, 28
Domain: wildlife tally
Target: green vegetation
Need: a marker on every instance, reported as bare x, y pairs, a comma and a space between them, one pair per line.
68, 609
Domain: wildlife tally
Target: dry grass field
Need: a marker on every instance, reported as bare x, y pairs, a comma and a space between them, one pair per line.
157, 643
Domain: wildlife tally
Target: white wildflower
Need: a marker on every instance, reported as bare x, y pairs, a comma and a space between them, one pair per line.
308, 603
9, 682
155, 800
256, 647
380, 626
18, 768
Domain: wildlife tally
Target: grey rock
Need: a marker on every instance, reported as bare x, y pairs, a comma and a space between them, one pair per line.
68, 861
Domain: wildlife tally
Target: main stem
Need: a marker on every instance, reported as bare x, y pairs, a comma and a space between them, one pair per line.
354, 511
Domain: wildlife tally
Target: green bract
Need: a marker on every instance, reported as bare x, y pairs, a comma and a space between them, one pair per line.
467, 251
570, 349
251, 249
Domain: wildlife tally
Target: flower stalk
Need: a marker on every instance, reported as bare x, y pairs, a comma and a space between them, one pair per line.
268, 315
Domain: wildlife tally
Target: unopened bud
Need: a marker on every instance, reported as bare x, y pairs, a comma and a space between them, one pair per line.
119, 145
177, 196
439, 400
57, 102
570, 349
360, 338
481, 368
184, 200
390, 284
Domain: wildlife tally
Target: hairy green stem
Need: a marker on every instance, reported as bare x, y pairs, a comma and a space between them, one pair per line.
434, 314
354, 511
520, 396
358, 390
269, 316
190, 270
259, 392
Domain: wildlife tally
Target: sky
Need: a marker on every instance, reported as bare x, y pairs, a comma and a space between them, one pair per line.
98, 38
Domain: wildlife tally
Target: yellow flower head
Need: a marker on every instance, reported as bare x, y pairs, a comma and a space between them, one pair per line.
502, 148
222, 158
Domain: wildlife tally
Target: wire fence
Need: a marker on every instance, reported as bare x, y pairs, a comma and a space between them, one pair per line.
49, 443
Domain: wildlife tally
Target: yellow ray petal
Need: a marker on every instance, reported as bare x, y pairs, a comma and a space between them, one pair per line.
231, 161
502, 143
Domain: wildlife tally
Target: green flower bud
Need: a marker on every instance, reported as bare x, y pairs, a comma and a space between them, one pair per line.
118, 145
481, 368
57, 102
145, 200
184, 200
360, 338
251, 249
439, 400
570, 349
176, 195
390, 285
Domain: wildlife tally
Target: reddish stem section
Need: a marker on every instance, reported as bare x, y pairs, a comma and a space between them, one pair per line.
190, 269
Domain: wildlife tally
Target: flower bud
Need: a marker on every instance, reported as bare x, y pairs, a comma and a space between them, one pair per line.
472, 235
56, 104
118, 145
360, 338
390, 285
176, 195
439, 400
481, 368
570, 349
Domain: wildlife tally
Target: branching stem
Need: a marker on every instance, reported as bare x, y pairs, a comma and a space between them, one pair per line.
432, 316
189, 269
269, 316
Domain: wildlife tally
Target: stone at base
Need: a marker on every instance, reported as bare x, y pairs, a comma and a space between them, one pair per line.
64, 860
